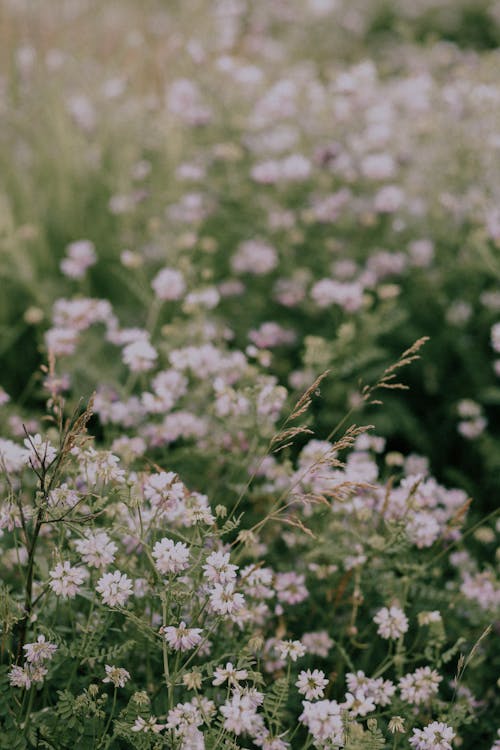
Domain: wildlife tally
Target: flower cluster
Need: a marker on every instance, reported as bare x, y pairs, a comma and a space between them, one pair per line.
235, 241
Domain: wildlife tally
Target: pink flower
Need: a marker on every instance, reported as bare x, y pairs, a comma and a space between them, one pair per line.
182, 638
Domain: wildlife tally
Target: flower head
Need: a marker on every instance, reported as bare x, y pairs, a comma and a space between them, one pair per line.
182, 638
312, 684
66, 580
170, 556
392, 622
435, 736
117, 675
115, 588
39, 651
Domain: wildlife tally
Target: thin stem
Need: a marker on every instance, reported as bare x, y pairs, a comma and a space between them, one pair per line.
108, 724
166, 668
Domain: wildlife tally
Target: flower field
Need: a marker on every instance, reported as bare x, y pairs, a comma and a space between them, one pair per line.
250, 374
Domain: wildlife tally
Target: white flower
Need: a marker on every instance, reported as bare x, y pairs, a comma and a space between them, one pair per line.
149, 725
12, 457
182, 638
224, 600
419, 686
396, 724
139, 356
254, 257
61, 342
423, 529
359, 704
168, 284
40, 452
80, 256
378, 690
435, 736
426, 618
293, 649
39, 651
312, 684
66, 580
27, 676
240, 714
324, 721
392, 622
229, 673
117, 675
115, 588
170, 557
164, 489
97, 549
317, 644
218, 569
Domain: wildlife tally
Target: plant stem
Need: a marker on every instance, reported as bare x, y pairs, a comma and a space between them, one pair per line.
108, 724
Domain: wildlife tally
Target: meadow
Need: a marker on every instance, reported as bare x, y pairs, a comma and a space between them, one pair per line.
249, 381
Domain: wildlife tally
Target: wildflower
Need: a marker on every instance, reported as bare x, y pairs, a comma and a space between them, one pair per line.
290, 588
423, 529
168, 284
392, 622
40, 452
182, 638
254, 257
358, 704
317, 644
293, 649
12, 456
229, 673
115, 588
435, 736
149, 725
378, 690
348, 295
27, 676
192, 680
20, 677
426, 618
419, 686
197, 510
218, 569
324, 721
190, 714
66, 580
117, 675
139, 356
185, 102
40, 650
396, 724
239, 714
257, 581
472, 429
265, 739
101, 466
224, 600
164, 489
171, 557
80, 256
481, 588
389, 199
97, 549
312, 684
